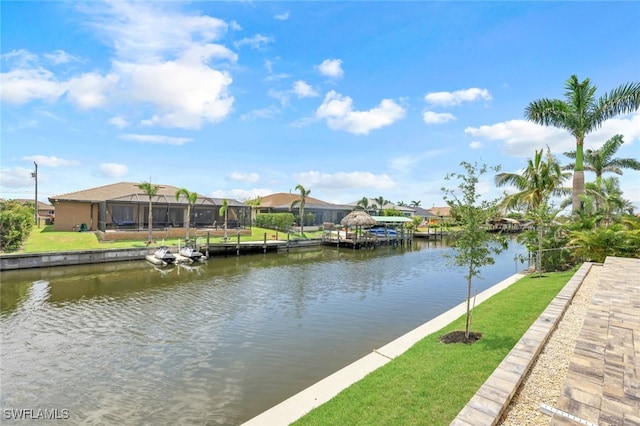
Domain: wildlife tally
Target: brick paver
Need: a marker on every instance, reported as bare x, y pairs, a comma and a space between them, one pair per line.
602, 386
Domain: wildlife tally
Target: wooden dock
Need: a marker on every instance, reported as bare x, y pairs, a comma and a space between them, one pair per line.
339, 239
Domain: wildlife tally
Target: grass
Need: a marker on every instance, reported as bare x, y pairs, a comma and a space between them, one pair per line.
431, 382
45, 239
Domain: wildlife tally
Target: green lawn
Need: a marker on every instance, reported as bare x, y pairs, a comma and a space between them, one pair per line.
45, 239
431, 382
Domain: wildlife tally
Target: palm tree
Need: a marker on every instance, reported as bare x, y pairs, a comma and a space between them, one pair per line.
601, 160
380, 201
363, 204
191, 197
151, 191
608, 198
224, 209
580, 114
539, 180
300, 202
414, 203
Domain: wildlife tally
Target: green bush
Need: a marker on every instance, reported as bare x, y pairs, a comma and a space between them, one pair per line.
16, 222
280, 221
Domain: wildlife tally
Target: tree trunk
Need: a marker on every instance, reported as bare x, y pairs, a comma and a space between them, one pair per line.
578, 190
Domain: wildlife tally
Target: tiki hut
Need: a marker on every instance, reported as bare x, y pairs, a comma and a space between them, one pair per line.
358, 219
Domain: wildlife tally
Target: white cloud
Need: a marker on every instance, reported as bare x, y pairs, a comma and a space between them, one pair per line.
405, 163
158, 139
331, 68
51, 161
17, 177
146, 32
255, 42
20, 58
344, 180
244, 177
303, 90
475, 145
282, 16
339, 113
185, 95
457, 97
113, 170
90, 90
522, 138
24, 85
268, 112
60, 57
119, 122
431, 117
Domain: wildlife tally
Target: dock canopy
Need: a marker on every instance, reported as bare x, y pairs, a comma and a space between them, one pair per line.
391, 220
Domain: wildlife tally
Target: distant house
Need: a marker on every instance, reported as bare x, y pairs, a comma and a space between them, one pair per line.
374, 209
323, 211
124, 206
45, 211
440, 211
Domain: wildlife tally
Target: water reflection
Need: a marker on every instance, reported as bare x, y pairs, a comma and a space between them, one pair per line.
215, 343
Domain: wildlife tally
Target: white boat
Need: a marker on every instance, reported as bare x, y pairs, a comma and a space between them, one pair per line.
164, 254
191, 253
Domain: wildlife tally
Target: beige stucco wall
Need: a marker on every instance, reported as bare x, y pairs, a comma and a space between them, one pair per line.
71, 214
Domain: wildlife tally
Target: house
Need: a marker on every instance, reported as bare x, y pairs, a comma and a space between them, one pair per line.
322, 211
125, 207
45, 211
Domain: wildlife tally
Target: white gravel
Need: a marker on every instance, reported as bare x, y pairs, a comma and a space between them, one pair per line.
544, 382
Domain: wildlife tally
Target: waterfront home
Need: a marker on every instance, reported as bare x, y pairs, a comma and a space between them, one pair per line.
322, 211
123, 207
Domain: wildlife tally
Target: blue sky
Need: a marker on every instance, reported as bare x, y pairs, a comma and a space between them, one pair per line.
349, 99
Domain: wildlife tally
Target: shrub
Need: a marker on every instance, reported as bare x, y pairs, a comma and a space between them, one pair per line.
16, 222
281, 221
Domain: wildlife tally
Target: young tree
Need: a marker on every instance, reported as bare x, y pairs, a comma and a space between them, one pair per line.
224, 211
580, 114
151, 191
300, 202
473, 246
191, 197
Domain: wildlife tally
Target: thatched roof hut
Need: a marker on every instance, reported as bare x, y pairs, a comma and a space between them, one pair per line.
358, 218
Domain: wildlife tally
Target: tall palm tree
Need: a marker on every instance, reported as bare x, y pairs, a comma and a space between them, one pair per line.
380, 201
580, 114
414, 203
224, 211
191, 197
151, 191
602, 161
539, 180
300, 202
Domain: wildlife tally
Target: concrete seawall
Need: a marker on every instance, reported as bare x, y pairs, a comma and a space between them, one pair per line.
10, 262
67, 258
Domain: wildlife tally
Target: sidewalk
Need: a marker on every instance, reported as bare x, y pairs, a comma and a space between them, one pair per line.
602, 386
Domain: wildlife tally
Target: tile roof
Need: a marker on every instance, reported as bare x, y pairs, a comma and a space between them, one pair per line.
129, 191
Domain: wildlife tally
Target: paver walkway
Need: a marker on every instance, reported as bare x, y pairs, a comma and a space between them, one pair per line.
602, 386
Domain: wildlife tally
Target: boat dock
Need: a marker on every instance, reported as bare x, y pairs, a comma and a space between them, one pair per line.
365, 240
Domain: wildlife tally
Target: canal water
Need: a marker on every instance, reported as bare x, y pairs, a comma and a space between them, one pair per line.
218, 343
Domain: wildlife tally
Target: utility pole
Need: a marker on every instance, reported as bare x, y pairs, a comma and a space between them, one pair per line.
35, 175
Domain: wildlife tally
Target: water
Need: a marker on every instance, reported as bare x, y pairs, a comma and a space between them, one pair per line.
219, 343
